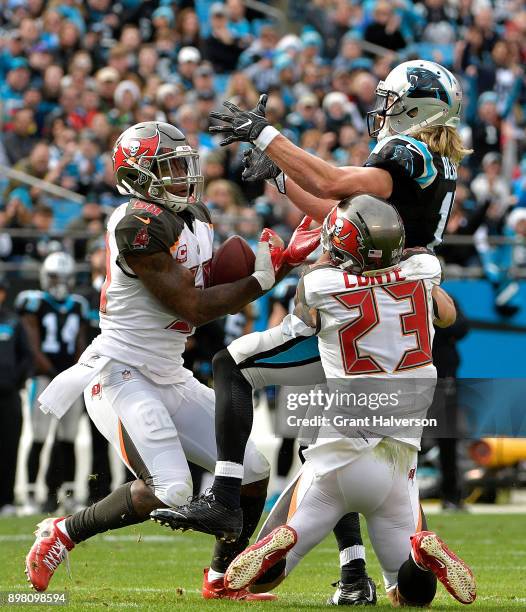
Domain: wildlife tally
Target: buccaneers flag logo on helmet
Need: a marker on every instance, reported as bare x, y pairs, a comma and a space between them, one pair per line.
345, 236
131, 151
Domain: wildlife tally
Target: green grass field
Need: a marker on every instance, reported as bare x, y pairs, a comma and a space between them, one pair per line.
149, 568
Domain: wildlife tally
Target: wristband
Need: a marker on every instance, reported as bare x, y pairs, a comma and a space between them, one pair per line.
266, 280
265, 137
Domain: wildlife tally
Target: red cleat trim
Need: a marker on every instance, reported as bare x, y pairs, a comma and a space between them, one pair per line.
216, 589
431, 553
255, 560
47, 553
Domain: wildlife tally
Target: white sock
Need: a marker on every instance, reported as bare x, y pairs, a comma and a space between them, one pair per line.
62, 526
213, 575
229, 468
351, 553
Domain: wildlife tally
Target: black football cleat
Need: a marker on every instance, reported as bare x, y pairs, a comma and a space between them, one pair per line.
205, 514
359, 593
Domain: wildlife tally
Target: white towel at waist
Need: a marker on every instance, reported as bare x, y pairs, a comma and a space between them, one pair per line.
65, 388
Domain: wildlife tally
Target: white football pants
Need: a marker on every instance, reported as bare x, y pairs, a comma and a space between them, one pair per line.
156, 429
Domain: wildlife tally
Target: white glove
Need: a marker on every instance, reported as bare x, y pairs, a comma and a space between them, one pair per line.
263, 268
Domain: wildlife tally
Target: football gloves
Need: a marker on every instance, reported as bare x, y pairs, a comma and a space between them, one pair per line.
302, 243
242, 126
276, 247
259, 167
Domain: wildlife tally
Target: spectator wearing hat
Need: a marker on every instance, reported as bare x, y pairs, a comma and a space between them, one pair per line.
126, 98
21, 139
312, 45
384, 29
285, 77
203, 82
221, 47
12, 90
106, 80
349, 51
16, 363
305, 116
163, 18
169, 97
188, 59
336, 107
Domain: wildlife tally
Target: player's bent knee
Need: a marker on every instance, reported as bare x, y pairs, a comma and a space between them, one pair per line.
256, 466
175, 494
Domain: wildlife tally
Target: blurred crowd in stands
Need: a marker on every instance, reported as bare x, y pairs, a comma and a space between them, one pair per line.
74, 74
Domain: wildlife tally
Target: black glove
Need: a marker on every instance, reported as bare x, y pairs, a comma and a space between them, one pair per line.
243, 126
259, 167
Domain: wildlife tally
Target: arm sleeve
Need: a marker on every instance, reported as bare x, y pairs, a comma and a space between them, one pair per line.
404, 158
136, 236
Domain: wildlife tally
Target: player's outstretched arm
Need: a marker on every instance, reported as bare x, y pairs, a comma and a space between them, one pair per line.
311, 173
445, 313
173, 285
323, 180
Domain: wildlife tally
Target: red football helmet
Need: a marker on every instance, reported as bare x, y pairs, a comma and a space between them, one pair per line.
363, 233
152, 161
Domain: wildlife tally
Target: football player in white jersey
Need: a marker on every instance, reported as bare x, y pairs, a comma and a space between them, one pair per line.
154, 412
372, 307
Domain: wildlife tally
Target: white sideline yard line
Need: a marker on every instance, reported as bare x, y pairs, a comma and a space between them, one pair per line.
157, 539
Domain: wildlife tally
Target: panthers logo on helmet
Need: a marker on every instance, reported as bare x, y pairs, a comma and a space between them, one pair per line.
345, 236
425, 84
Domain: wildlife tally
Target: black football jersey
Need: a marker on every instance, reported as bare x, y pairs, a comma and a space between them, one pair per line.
423, 187
59, 323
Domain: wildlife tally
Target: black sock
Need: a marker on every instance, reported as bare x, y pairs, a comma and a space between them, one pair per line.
225, 552
347, 533
415, 585
234, 410
33, 461
285, 456
114, 511
227, 490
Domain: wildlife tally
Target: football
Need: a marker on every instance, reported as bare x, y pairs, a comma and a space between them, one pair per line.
233, 260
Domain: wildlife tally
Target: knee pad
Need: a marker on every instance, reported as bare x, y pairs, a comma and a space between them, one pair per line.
255, 464
175, 494
172, 484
